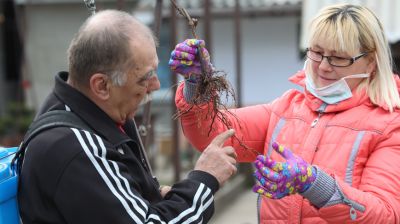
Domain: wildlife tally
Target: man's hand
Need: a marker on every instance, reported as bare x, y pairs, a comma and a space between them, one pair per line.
186, 59
217, 160
279, 179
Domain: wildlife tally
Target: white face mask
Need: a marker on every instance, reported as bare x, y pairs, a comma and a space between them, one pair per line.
335, 92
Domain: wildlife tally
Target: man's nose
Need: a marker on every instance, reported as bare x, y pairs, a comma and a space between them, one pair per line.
154, 84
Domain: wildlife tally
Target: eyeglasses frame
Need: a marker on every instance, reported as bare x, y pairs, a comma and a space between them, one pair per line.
328, 58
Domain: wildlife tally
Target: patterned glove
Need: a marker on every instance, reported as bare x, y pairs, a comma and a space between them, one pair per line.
279, 179
185, 59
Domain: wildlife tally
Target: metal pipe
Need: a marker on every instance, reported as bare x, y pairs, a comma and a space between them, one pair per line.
157, 18
144, 128
175, 127
238, 54
207, 25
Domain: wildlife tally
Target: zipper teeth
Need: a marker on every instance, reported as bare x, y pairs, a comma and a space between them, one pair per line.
354, 205
258, 208
351, 203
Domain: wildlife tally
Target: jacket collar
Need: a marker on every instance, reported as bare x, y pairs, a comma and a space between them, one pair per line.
358, 98
87, 110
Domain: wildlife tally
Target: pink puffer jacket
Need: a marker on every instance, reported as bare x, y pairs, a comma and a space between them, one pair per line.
354, 144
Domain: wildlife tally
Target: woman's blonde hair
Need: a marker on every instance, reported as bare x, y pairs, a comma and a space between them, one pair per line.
355, 29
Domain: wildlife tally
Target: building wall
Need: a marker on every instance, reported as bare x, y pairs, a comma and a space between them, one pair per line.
49, 30
270, 57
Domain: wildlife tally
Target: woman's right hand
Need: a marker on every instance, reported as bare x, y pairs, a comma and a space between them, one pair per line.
279, 179
186, 59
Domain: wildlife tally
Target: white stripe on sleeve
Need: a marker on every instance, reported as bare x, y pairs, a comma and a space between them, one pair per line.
104, 176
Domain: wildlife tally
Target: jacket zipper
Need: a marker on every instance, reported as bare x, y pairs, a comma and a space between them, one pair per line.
313, 123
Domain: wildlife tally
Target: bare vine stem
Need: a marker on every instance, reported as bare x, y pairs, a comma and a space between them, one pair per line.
191, 21
193, 24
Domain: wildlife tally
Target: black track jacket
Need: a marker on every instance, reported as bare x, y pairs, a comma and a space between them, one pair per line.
75, 176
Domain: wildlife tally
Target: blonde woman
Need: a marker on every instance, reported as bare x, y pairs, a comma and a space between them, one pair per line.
329, 153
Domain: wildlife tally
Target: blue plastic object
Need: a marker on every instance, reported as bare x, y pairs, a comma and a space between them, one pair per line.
8, 188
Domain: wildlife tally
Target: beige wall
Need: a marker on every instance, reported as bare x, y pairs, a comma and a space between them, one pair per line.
49, 29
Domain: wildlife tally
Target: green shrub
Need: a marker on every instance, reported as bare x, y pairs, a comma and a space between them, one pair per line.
16, 120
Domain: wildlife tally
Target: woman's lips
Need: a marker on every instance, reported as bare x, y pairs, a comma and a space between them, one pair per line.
327, 79
323, 81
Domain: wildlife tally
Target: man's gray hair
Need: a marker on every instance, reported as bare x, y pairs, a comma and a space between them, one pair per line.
103, 45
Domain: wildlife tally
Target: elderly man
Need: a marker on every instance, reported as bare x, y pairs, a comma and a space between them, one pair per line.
71, 175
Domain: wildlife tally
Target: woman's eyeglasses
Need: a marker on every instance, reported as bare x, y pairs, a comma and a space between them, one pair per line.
333, 60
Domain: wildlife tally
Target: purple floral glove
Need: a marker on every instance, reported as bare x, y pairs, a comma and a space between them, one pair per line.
185, 59
279, 179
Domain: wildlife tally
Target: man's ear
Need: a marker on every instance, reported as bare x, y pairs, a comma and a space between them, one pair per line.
100, 86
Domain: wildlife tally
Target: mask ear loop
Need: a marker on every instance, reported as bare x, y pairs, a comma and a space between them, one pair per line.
358, 76
305, 64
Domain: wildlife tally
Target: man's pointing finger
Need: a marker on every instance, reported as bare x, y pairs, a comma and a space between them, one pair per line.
220, 139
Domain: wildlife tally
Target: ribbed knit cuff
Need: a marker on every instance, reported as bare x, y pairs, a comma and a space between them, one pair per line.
189, 90
322, 190
205, 178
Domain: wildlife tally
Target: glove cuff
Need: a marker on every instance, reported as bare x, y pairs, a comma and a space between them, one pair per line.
189, 90
321, 190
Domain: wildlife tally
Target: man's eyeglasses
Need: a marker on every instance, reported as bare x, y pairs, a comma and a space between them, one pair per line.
333, 60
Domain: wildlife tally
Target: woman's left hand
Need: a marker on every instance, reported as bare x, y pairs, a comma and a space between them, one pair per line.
187, 60
279, 179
